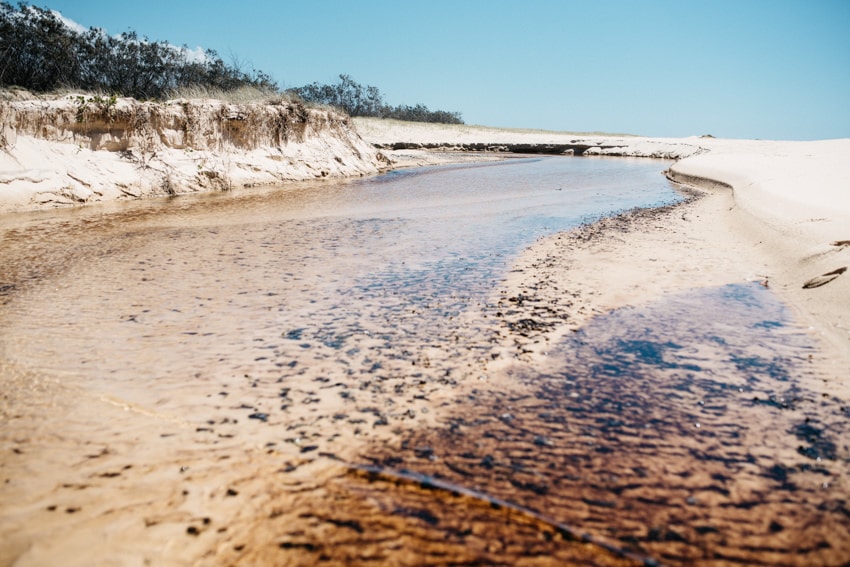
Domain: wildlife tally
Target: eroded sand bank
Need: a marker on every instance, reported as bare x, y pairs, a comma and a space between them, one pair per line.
80, 149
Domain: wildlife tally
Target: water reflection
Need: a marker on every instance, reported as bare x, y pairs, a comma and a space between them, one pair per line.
212, 280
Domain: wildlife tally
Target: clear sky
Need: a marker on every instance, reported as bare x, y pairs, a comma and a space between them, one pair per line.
772, 69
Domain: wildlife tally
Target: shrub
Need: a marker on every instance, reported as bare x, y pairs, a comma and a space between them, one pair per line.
39, 52
359, 100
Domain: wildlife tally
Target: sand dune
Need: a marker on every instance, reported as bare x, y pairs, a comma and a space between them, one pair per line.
78, 149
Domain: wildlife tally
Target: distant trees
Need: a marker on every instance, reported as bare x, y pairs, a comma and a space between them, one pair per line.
359, 100
347, 94
421, 113
39, 52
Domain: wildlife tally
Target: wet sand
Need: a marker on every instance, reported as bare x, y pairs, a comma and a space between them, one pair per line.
515, 470
702, 425
661, 427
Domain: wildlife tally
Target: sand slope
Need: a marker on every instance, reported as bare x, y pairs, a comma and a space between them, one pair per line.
81, 149
791, 204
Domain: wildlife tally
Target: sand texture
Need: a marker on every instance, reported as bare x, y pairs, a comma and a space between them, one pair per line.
475, 448
785, 205
77, 149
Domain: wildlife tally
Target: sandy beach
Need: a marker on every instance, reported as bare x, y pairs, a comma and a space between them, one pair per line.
771, 211
180, 477
752, 225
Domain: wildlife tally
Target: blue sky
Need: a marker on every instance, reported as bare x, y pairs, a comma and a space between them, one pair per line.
772, 69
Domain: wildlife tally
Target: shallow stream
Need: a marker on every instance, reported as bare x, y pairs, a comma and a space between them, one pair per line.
676, 433
356, 272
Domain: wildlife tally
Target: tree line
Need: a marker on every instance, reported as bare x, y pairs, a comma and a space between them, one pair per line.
360, 100
41, 53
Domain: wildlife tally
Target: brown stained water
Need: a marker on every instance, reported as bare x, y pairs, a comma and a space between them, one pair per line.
678, 432
305, 319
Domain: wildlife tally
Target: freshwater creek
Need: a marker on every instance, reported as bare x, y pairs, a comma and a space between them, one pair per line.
351, 321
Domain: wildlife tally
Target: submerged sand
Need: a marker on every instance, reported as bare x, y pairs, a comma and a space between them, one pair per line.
89, 478
772, 210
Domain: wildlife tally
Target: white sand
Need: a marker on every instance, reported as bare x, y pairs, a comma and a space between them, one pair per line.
73, 150
792, 206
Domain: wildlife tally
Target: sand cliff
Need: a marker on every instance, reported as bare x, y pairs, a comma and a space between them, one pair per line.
81, 148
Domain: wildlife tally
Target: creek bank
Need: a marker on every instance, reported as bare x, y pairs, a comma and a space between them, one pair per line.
787, 202
771, 212
410, 143
573, 148
81, 149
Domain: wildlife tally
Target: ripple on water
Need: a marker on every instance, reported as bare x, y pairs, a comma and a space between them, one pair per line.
681, 431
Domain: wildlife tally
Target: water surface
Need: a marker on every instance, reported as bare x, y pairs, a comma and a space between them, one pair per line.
315, 314
234, 283
680, 432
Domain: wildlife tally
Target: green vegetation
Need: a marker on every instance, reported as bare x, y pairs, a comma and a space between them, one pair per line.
40, 53
106, 105
359, 100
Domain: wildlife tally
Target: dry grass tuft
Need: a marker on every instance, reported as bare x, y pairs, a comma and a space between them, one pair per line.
241, 95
